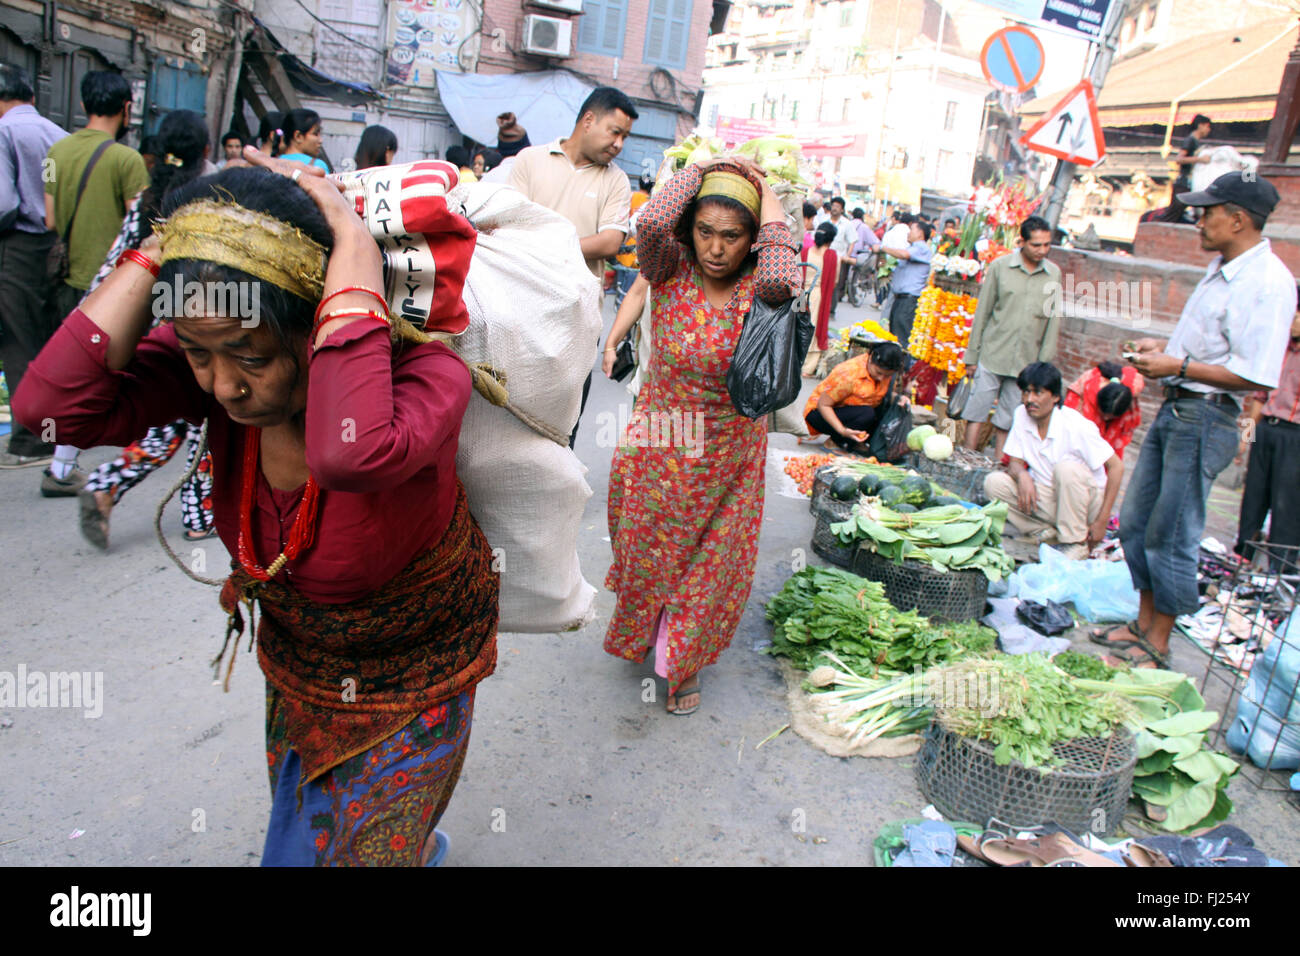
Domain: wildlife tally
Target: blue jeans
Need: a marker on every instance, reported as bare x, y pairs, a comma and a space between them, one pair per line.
1163, 517
624, 276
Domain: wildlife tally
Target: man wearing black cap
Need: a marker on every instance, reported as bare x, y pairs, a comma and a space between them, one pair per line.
1231, 338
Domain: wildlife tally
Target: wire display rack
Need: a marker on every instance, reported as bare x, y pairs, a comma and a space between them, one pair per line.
1254, 660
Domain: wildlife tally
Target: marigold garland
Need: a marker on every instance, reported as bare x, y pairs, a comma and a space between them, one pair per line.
941, 331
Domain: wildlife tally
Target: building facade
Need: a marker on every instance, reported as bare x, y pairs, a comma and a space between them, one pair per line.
176, 55
893, 73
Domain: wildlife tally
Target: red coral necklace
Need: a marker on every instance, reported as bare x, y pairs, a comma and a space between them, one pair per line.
301, 534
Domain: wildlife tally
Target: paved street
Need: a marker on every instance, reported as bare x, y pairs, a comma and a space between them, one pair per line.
567, 764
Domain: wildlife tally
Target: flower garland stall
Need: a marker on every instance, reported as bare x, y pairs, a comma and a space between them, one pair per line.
946, 309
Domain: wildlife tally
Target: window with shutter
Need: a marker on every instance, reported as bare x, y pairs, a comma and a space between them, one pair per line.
602, 27
667, 34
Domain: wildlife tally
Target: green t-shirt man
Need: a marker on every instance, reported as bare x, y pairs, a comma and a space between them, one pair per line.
117, 178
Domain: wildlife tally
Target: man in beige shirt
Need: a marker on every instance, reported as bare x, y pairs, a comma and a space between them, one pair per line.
1017, 321
577, 178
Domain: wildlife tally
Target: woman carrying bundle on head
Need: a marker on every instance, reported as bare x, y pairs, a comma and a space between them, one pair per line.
686, 485
333, 428
1107, 396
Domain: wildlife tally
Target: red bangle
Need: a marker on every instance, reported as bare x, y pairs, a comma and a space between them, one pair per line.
140, 259
328, 317
352, 288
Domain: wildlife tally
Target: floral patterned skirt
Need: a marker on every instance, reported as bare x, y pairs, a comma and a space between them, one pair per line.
377, 808
684, 531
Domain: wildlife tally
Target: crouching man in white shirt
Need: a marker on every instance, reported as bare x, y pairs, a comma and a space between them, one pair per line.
1064, 477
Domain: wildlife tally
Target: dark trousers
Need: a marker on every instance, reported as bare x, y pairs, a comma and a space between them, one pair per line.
840, 282
858, 418
1272, 480
902, 315
27, 318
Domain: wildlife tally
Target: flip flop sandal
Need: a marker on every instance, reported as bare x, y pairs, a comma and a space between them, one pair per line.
1098, 635
680, 712
202, 535
1145, 647
94, 523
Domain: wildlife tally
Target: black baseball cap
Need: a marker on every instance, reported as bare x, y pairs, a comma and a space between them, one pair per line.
1242, 188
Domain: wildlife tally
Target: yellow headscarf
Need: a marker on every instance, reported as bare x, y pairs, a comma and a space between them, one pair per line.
261, 245
719, 182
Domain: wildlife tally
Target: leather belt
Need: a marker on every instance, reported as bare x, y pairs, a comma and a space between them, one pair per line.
1176, 392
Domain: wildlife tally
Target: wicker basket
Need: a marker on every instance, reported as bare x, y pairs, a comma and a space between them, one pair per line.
947, 595
954, 284
1089, 792
963, 474
828, 546
821, 488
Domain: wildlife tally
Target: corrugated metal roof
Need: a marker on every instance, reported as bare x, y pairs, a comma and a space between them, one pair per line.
1139, 91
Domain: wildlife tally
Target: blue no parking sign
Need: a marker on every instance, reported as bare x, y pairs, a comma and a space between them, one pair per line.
1012, 59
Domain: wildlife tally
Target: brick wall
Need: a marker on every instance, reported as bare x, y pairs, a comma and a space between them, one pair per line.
1174, 242
633, 74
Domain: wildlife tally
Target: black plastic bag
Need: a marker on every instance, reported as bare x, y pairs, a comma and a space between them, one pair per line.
1050, 618
767, 367
888, 442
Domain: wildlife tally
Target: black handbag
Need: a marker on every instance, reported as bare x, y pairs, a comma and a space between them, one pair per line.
766, 370
624, 361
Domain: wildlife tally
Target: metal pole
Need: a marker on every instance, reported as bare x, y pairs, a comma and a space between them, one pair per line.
1063, 176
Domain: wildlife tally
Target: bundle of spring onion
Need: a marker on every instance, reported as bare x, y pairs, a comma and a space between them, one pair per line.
864, 708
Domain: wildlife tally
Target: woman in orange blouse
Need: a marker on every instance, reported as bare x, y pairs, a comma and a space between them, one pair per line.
849, 404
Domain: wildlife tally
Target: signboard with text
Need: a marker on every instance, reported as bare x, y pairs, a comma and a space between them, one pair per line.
1083, 17
824, 139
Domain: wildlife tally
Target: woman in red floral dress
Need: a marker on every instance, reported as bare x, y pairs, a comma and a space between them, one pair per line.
686, 484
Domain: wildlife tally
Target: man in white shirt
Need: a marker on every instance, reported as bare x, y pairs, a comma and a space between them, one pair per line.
846, 236
1064, 477
1231, 337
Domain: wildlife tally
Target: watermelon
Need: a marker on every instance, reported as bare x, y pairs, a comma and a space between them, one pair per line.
916, 489
869, 485
844, 488
891, 495
903, 508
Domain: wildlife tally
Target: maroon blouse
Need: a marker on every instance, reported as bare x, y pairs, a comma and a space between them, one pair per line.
387, 478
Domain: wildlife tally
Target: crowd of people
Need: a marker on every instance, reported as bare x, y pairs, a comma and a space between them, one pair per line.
373, 544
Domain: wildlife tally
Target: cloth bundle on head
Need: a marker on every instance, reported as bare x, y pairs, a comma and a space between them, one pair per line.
721, 182
231, 235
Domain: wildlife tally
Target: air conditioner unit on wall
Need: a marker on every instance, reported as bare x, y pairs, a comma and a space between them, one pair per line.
548, 36
568, 6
